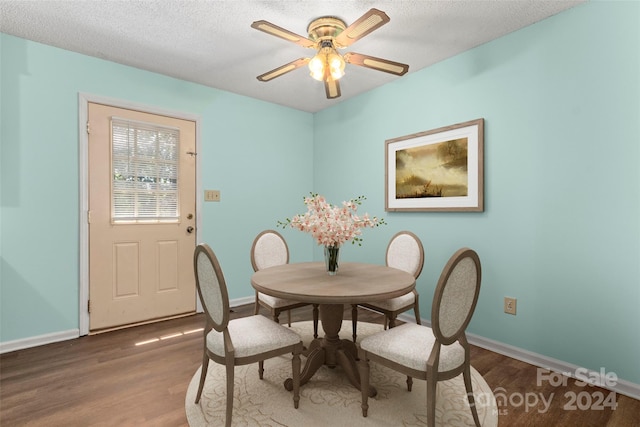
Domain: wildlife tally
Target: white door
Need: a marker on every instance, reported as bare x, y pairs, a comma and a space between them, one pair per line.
141, 216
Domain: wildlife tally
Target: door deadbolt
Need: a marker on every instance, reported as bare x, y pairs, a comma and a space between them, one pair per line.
189, 216
189, 229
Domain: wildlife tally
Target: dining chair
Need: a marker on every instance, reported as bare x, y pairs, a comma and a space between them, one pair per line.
270, 249
435, 353
239, 341
404, 252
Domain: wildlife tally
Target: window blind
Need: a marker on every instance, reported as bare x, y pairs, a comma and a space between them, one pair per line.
144, 162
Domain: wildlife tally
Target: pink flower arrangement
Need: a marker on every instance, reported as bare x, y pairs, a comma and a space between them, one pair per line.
332, 225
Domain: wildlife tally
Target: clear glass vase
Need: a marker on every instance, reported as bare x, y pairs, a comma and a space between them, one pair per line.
331, 255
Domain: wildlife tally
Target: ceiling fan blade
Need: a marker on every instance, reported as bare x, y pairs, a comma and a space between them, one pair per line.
332, 88
274, 30
374, 63
284, 69
370, 21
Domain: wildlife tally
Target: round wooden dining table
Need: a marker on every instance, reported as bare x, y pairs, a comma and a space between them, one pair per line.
354, 283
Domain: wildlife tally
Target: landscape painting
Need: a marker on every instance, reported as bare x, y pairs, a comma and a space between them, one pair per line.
436, 170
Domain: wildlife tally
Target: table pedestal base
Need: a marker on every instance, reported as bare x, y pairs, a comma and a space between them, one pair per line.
331, 350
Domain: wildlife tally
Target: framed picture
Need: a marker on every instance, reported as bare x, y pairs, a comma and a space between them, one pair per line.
437, 170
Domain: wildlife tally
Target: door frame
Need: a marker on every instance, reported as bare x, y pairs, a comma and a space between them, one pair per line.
83, 159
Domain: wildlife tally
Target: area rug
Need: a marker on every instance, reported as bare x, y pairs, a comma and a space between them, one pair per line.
330, 399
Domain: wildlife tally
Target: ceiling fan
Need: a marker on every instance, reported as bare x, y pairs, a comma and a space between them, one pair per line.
326, 35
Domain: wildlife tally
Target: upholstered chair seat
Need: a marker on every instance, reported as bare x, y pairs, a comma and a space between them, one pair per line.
274, 302
413, 339
251, 336
397, 303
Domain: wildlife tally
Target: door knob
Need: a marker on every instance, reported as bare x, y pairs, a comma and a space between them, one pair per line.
189, 229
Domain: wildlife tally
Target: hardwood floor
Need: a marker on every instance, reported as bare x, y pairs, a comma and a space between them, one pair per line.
108, 380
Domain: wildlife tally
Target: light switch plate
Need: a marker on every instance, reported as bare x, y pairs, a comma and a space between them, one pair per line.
211, 195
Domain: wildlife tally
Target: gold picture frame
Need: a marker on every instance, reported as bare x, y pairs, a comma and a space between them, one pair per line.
436, 170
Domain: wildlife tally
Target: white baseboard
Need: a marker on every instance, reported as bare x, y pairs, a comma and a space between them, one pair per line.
20, 344
242, 301
568, 369
8, 346
619, 385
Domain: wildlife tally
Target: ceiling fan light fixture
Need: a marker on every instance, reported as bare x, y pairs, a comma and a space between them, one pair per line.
336, 65
327, 63
316, 68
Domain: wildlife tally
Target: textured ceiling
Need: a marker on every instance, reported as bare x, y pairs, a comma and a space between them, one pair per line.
211, 42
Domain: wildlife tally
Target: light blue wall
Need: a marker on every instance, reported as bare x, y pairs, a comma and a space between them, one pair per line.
249, 151
561, 226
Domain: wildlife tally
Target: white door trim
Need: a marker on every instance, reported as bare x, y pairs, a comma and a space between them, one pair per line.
83, 158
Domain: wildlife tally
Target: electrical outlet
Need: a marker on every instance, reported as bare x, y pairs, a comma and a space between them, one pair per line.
510, 305
211, 195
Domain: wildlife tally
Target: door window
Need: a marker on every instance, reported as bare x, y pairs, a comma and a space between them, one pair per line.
145, 172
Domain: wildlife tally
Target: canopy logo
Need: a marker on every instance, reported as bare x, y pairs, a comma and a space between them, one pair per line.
596, 400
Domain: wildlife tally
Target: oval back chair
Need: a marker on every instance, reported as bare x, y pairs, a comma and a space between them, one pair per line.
239, 341
404, 252
433, 354
270, 249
